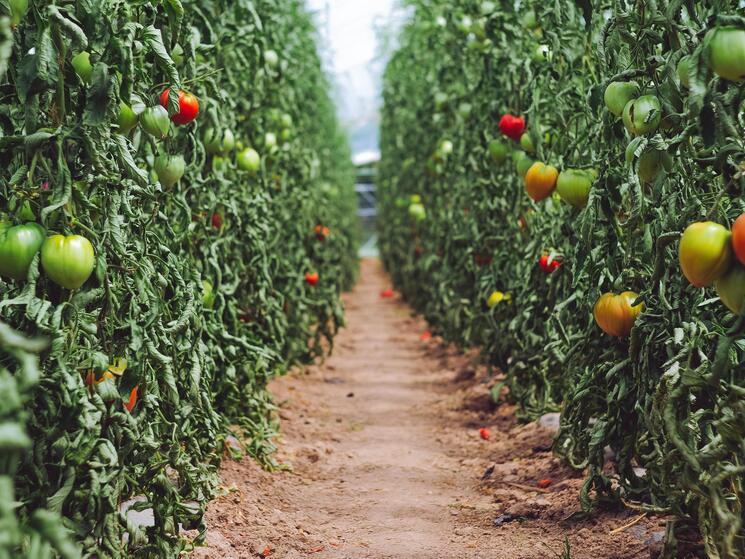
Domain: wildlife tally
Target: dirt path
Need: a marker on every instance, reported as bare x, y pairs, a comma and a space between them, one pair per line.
387, 462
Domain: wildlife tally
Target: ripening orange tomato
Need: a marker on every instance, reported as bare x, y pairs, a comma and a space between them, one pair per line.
615, 314
540, 180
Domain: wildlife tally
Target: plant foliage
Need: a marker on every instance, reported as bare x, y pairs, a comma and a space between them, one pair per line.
668, 400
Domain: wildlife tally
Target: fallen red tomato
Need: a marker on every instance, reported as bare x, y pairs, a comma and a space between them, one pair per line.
311, 278
188, 106
512, 126
386, 293
427, 335
548, 266
543, 483
484, 433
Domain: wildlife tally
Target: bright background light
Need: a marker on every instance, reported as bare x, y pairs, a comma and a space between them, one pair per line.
356, 41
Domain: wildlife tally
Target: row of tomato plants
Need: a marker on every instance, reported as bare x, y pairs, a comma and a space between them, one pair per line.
560, 184
177, 224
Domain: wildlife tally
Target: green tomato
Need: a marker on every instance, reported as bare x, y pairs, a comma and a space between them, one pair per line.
417, 212
18, 9
216, 145
270, 140
684, 71
618, 94
650, 164
488, 7
18, 246
529, 20
83, 67
498, 151
208, 294
542, 53
170, 169
156, 122
286, 120
526, 142
465, 24
705, 253
127, 119
68, 261
248, 160
573, 185
285, 135
642, 116
727, 53
731, 288
271, 58
446, 148
441, 100
415, 199
523, 162
464, 110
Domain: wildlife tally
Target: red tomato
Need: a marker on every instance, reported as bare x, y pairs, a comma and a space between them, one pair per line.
322, 232
484, 433
188, 106
386, 294
543, 483
738, 238
311, 278
216, 221
132, 399
548, 267
512, 126
426, 336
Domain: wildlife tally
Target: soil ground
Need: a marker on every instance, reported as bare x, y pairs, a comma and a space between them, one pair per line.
386, 461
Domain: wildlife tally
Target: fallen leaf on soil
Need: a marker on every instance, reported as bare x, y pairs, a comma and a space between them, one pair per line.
318, 549
484, 434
